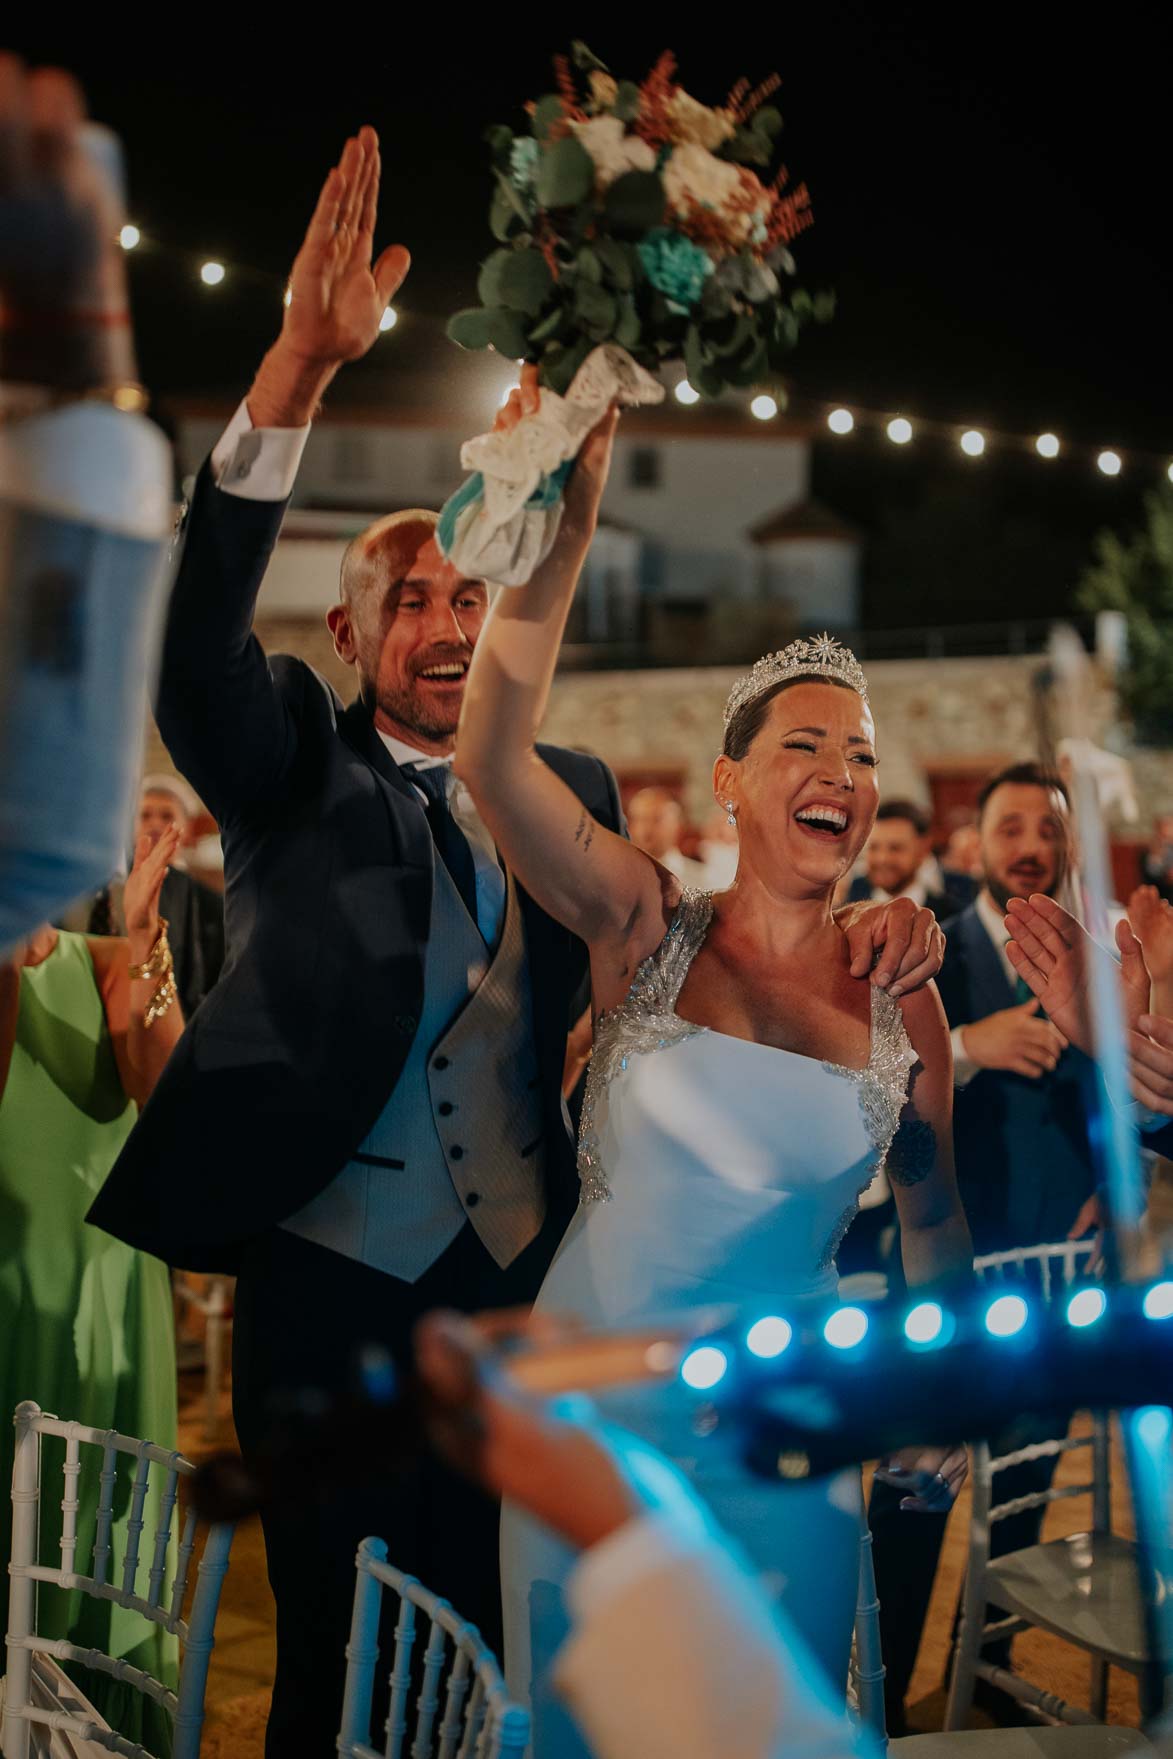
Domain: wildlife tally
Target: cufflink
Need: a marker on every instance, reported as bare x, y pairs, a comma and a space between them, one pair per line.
248, 450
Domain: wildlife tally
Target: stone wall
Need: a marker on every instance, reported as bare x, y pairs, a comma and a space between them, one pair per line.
970, 713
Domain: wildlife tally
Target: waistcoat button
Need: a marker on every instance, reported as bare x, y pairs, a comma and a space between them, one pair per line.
473, 1199
440, 1062
445, 1108
457, 1153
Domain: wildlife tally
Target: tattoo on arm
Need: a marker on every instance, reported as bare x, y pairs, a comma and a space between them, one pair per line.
913, 1153
585, 824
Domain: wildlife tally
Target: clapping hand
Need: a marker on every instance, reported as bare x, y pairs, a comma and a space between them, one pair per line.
140, 899
1151, 918
1052, 952
932, 1477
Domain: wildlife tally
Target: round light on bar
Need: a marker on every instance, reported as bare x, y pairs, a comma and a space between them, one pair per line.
769, 1337
973, 444
1047, 445
925, 1323
211, 274
841, 421
1086, 1306
846, 1328
1158, 1303
703, 1367
129, 236
388, 320
899, 430
1109, 463
686, 393
764, 407
1006, 1316
1154, 1425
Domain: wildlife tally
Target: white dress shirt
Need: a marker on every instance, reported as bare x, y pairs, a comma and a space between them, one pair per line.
993, 921
916, 891
258, 464
490, 878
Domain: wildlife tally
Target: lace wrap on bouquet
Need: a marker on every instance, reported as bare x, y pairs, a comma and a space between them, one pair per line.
501, 524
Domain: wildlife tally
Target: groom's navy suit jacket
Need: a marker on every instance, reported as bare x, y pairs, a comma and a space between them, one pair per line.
1024, 1158
328, 863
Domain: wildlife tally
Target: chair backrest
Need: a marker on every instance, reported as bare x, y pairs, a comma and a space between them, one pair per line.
1053, 1267
463, 1710
159, 1598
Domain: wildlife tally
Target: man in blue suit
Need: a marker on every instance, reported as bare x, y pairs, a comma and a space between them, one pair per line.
1025, 1167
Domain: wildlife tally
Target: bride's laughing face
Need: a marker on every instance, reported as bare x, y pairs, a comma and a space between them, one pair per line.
805, 793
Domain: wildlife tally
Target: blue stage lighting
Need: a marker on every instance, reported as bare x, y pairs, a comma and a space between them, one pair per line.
925, 1323
1006, 1316
1158, 1303
846, 1327
1086, 1306
1154, 1426
769, 1337
703, 1367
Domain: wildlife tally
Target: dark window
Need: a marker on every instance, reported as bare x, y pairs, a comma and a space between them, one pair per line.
644, 468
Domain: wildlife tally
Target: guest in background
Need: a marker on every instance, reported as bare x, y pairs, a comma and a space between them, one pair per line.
961, 859
655, 819
194, 913
896, 856
1158, 859
1025, 1167
86, 1028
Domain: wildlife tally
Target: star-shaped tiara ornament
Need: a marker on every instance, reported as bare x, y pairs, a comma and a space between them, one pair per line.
821, 657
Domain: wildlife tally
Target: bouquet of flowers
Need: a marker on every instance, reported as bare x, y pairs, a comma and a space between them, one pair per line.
634, 230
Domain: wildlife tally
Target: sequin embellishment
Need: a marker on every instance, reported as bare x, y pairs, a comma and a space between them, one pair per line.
645, 1020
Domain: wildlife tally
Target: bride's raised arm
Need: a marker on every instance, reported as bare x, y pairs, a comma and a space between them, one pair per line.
592, 880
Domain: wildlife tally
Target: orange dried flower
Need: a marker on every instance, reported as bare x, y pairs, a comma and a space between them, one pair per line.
791, 215
653, 123
567, 90
746, 106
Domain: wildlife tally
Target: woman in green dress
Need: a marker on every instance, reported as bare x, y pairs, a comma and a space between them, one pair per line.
86, 1326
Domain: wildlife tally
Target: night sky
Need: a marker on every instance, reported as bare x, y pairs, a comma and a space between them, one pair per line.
983, 186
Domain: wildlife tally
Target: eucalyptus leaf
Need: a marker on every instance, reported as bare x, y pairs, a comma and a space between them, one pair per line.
566, 174
559, 366
470, 328
500, 139
627, 101
589, 266
759, 283
547, 111
749, 371
551, 325
697, 355
504, 220
524, 282
768, 121
716, 299
627, 328
489, 279
746, 147
709, 381
621, 262
634, 204
743, 329
586, 58
507, 332
596, 309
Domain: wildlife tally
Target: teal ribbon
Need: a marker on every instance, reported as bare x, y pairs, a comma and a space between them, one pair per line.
547, 494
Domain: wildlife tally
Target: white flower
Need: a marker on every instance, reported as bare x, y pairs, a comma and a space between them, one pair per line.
693, 171
613, 151
696, 122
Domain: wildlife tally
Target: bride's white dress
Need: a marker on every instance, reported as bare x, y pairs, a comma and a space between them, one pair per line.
714, 1170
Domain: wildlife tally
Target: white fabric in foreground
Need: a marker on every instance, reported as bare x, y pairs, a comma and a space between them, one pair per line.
496, 537
54, 1690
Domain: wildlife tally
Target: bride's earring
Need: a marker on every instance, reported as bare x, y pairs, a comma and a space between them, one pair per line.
732, 818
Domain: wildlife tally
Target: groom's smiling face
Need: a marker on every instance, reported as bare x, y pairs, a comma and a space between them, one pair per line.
806, 791
408, 623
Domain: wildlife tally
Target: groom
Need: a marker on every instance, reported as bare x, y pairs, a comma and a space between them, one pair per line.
365, 1119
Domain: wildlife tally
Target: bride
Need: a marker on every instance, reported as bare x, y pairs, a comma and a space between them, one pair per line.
745, 1084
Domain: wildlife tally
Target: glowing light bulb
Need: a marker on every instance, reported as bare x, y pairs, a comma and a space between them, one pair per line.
1154, 1424
211, 274
769, 1337
1086, 1306
846, 1328
973, 444
686, 393
925, 1323
1110, 463
129, 237
1006, 1316
899, 430
841, 421
1158, 1303
388, 320
764, 407
1047, 445
703, 1367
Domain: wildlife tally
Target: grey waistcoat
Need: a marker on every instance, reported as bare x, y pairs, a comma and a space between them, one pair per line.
460, 1139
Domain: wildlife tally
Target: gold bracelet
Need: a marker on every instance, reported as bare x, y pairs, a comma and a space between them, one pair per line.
161, 1001
158, 959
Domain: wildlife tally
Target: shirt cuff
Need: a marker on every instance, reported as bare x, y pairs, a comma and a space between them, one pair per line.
642, 1545
258, 464
964, 1067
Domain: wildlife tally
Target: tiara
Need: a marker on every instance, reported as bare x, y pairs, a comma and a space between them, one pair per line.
822, 657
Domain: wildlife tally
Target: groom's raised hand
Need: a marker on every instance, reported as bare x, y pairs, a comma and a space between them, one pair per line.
338, 292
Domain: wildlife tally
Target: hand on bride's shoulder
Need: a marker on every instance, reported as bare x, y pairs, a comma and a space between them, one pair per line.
899, 943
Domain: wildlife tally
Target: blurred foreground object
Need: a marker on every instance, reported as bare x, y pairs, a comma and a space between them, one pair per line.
85, 491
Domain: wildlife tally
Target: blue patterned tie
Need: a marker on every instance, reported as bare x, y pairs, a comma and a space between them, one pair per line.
452, 845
